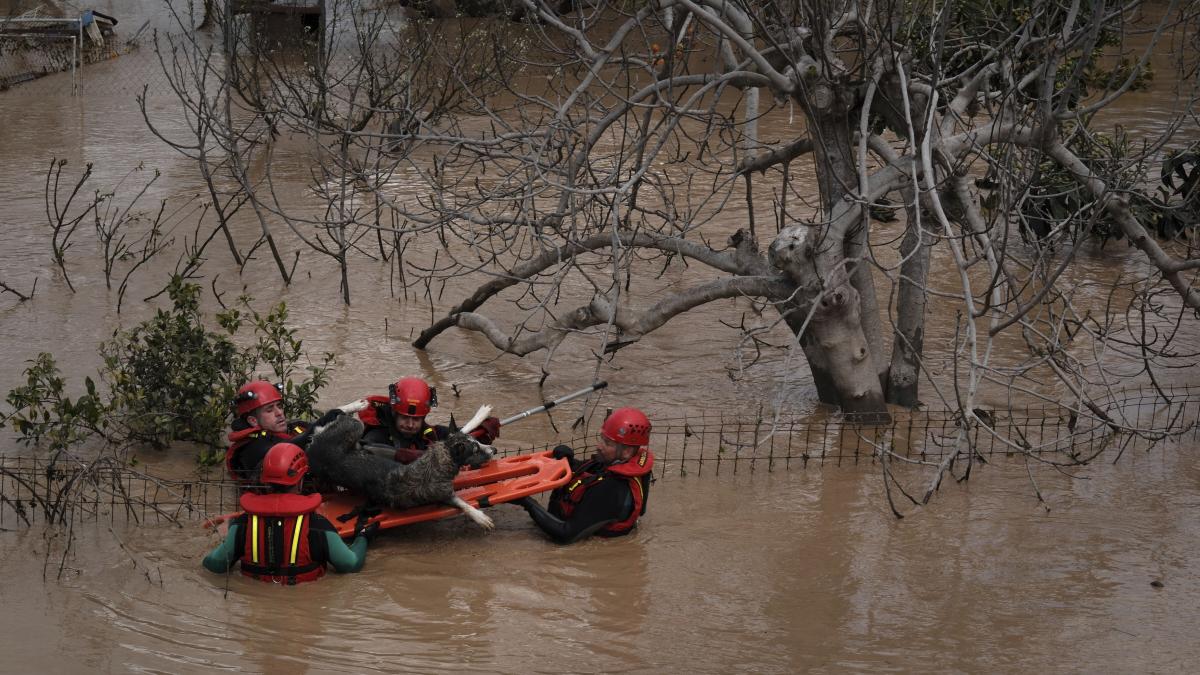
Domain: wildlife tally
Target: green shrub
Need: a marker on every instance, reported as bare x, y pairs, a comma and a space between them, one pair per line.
43, 414
278, 347
168, 379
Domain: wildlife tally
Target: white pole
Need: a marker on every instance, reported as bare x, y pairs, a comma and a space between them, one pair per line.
81, 55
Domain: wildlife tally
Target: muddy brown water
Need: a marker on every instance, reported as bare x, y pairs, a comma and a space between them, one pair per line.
780, 571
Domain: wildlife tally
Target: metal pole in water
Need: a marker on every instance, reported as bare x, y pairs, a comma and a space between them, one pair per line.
81, 55
550, 404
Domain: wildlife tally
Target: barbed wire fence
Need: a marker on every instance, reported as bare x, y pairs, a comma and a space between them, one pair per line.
37, 490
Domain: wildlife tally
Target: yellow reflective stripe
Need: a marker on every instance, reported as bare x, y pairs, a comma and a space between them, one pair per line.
296, 538
638, 484
254, 538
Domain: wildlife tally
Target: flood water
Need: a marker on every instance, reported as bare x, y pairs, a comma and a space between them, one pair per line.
780, 571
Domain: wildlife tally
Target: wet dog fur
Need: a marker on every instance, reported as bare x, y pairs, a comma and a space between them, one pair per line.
336, 456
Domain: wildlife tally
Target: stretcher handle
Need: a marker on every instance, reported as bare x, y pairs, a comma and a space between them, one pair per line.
550, 404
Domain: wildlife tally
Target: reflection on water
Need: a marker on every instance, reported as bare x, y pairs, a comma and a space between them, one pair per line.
765, 573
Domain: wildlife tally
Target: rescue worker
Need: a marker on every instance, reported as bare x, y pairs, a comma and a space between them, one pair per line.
607, 494
280, 538
397, 421
259, 425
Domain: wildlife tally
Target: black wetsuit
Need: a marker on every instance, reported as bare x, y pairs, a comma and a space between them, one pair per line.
246, 462
409, 447
606, 502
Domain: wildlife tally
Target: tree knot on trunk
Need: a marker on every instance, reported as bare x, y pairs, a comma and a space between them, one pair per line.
822, 96
792, 252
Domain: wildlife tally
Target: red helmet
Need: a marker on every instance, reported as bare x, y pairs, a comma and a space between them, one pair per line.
412, 396
285, 464
254, 395
628, 426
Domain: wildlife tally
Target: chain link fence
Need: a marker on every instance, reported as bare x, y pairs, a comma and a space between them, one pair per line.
81, 55
38, 44
38, 490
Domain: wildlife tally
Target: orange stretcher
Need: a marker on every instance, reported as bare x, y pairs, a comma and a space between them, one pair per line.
498, 481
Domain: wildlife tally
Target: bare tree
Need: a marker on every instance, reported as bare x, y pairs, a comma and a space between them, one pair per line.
899, 101
352, 91
596, 148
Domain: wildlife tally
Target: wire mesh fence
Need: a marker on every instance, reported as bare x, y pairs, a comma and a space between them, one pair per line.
61, 491
50, 56
36, 44
39, 490
1127, 420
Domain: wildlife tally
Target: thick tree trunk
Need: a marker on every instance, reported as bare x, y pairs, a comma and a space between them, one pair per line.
904, 374
827, 391
814, 258
837, 330
868, 306
833, 339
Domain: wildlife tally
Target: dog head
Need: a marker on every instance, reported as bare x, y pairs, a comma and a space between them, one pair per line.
465, 450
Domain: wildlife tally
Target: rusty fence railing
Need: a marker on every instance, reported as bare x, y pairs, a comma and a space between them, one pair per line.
34, 489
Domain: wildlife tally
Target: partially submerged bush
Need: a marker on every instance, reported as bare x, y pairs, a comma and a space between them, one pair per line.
169, 379
43, 413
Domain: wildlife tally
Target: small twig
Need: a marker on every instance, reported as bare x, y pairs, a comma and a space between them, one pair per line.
21, 297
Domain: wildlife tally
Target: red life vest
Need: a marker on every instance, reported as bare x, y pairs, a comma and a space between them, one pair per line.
242, 437
275, 540
370, 415
635, 471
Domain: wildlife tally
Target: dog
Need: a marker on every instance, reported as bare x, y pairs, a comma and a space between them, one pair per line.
336, 455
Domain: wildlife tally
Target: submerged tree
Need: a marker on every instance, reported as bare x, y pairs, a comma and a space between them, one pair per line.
592, 149
958, 112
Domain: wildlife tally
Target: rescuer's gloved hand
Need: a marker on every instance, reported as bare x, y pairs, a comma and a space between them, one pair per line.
525, 502
368, 531
563, 452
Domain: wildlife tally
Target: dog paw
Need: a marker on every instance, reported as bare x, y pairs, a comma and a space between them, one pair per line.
356, 406
480, 416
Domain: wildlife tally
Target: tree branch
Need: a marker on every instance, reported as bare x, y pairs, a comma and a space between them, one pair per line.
1118, 207
781, 155
631, 326
743, 259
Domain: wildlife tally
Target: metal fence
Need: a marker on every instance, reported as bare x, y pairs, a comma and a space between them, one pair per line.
1124, 421
39, 490
34, 45
62, 491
